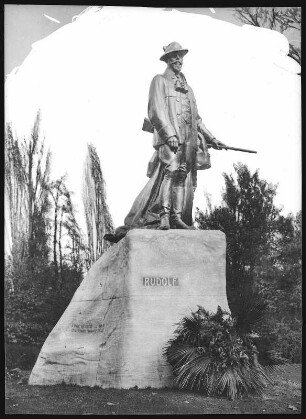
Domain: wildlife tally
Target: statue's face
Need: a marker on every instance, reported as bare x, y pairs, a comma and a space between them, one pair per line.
175, 61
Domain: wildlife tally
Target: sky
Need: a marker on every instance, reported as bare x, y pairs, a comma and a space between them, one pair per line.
25, 24
91, 80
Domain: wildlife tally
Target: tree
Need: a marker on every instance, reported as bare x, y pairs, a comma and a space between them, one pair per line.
65, 231
281, 19
37, 171
263, 258
279, 280
98, 218
15, 192
60, 195
37, 291
247, 217
75, 242
27, 171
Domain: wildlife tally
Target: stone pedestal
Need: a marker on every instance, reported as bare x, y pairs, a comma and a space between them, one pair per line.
113, 332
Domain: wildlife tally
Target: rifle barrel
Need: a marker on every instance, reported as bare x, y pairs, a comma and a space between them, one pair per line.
234, 148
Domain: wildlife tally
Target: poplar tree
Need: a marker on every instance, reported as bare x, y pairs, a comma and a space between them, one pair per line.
98, 219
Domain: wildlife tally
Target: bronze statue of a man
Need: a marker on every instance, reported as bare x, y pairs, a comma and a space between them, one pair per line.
180, 141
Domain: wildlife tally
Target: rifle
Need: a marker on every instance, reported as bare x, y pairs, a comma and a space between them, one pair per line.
148, 127
225, 147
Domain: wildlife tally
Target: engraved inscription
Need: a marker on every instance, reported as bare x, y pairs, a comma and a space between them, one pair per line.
87, 327
165, 281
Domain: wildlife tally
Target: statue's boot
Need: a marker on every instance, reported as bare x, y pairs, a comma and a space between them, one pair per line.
164, 221
165, 203
177, 201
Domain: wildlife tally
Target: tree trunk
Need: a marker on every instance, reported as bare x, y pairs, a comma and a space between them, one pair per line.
60, 251
30, 206
73, 255
54, 243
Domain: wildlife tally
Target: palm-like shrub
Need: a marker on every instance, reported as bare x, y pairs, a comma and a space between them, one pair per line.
209, 353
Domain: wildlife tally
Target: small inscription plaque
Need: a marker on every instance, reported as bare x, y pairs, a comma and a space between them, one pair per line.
163, 281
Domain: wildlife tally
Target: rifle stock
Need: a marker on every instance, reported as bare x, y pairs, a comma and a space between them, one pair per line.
147, 126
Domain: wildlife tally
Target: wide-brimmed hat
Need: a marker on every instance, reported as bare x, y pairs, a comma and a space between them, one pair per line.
173, 47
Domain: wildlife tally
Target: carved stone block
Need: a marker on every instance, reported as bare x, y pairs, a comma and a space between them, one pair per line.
113, 332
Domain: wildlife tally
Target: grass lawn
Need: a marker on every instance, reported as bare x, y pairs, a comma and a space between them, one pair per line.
283, 397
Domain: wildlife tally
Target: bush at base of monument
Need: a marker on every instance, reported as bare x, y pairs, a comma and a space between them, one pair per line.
209, 355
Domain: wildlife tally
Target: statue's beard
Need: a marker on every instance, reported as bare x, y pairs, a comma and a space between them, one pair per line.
176, 66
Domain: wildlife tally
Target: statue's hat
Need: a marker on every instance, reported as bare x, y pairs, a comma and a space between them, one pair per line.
173, 47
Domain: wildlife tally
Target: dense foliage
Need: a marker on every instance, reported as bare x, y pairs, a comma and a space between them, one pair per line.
36, 304
46, 251
263, 255
216, 354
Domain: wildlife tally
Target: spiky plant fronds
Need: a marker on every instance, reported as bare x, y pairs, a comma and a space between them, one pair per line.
208, 355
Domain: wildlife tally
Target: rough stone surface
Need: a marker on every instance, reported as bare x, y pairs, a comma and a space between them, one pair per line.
113, 332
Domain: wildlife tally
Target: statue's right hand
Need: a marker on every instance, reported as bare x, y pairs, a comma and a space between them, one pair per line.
173, 143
